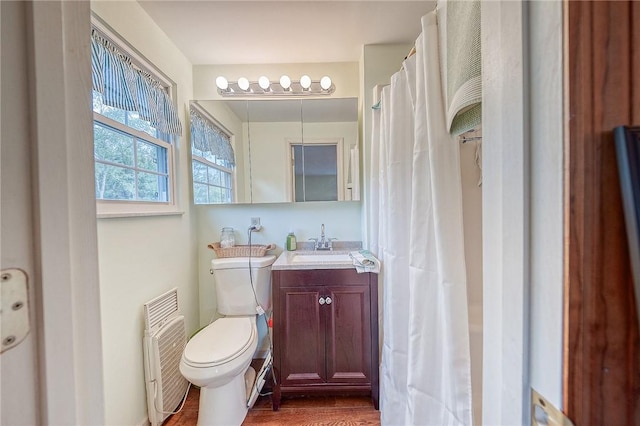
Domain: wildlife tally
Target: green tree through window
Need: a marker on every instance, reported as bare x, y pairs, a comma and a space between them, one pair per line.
131, 158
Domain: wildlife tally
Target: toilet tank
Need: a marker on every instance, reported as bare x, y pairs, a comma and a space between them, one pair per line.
234, 292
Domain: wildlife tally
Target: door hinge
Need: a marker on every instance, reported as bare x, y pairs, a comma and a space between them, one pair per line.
14, 308
543, 413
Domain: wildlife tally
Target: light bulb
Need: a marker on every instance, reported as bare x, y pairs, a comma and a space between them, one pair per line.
285, 82
222, 83
243, 83
264, 82
305, 81
325, 82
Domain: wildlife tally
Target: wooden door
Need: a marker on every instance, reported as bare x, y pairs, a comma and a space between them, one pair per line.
348, 338
301, 339
602, 347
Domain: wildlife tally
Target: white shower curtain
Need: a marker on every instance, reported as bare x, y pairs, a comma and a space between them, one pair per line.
417, 231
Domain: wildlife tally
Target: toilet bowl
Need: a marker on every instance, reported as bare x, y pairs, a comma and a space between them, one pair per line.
218, 356
216, 359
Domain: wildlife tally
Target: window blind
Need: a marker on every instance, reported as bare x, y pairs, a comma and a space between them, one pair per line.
207, 137
126, 87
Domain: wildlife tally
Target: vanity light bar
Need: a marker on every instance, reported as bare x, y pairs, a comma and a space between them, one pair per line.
283, 87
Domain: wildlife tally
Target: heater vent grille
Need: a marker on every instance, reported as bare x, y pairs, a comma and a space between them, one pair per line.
164, 341
160, 309
171, 341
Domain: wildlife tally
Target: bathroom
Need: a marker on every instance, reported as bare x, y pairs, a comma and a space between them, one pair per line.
342, 220
170, 249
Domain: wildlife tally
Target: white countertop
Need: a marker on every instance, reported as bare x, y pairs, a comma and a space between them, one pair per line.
286, 260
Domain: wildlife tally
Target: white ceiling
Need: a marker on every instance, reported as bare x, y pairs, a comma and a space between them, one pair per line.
254, 32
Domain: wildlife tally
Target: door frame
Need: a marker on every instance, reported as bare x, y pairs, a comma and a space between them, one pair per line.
338, 142
64, 220
505, 213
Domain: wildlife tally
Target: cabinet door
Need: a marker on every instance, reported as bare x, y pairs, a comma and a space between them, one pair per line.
348, 340
302, 335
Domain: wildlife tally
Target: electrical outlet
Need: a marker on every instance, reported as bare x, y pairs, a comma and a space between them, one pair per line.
255, 223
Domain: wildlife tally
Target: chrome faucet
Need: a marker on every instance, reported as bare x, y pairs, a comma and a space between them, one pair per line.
322, 243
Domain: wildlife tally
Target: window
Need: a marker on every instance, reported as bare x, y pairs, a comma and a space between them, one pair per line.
213, 160
135, 123
130, 163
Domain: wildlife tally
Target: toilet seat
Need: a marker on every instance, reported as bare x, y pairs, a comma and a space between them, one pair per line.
220, 342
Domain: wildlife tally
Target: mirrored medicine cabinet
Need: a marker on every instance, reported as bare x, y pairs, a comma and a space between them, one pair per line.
283, 150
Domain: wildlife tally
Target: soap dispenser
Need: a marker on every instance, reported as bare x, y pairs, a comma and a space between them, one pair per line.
291, 241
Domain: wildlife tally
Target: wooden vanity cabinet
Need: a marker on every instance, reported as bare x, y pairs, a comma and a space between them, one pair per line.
325, 332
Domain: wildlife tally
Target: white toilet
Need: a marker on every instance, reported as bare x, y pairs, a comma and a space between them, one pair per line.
217, 358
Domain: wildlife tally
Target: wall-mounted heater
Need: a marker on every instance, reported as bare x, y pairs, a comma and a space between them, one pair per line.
164, 341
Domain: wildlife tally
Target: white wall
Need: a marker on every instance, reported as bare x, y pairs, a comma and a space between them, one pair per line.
144, 256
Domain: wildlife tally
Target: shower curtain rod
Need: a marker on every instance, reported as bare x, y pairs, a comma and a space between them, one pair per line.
411, 53
471, 135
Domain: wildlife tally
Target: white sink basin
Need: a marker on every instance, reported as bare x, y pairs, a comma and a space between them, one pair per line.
321, 258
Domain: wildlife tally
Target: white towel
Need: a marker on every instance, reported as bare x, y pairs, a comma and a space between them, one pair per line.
460, 63
364, 261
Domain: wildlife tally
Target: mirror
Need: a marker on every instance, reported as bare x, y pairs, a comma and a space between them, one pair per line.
273, 126
285, 151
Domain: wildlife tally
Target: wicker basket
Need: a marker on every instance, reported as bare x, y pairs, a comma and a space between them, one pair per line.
241, 251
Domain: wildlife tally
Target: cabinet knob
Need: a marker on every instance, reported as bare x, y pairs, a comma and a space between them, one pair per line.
321, 301
328, 300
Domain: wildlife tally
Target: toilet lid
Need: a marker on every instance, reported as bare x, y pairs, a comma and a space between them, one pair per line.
219, 342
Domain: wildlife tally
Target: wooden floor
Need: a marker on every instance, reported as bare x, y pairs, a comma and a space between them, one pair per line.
323, 410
